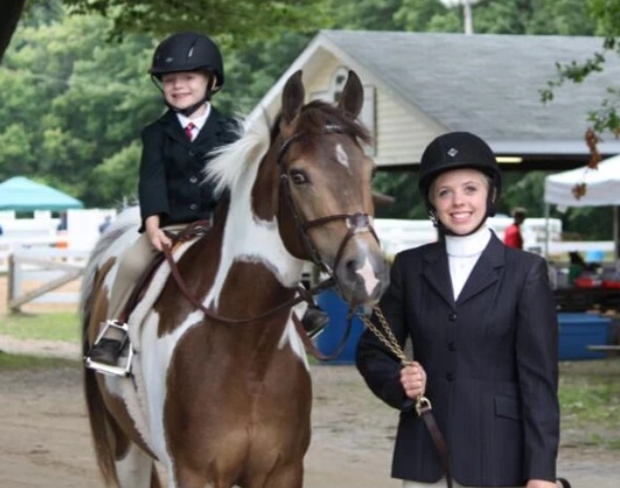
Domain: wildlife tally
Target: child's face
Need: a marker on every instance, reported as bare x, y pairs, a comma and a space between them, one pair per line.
185, 88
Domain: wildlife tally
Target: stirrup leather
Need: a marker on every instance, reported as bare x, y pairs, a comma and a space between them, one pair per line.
125, 361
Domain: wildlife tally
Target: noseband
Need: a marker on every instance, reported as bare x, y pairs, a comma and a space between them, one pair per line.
356, 223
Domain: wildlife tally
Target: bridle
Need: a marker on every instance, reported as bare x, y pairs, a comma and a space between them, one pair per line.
357, 222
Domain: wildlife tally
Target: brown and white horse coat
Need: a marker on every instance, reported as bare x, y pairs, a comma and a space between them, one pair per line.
222, 404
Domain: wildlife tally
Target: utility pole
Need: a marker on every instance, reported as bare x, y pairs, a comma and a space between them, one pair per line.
468, 19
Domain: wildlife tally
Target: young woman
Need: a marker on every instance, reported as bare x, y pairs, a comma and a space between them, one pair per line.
482, 322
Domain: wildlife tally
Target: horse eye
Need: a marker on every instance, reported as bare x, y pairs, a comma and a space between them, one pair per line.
298, 177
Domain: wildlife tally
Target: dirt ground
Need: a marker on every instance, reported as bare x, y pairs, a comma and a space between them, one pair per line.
44, 437
45, 441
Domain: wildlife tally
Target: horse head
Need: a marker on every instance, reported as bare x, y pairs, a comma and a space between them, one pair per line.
321, 189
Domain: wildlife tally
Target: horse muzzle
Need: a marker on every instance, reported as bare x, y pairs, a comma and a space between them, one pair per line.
363, 276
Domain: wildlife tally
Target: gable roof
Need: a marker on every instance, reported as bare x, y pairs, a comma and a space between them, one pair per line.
487, 84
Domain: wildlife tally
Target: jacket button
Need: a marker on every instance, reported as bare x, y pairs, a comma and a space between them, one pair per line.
451, 346
193, 179
452, 317
193, 206
450, 377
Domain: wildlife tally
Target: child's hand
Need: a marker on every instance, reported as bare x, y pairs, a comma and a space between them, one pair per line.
158, 239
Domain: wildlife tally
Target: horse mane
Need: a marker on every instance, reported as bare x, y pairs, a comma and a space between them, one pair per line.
230, 162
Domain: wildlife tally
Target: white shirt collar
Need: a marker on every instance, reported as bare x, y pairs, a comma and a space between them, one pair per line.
471, 245
198, 122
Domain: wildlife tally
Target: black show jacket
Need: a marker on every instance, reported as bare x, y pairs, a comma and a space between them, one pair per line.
171, 170
491, 361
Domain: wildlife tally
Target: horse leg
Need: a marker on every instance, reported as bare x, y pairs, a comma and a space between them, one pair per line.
136, 469
289, 476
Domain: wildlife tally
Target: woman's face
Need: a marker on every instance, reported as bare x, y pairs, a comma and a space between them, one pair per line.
185, 88
460, 199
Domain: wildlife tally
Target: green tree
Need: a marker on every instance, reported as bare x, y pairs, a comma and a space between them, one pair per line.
72, 102
606, 16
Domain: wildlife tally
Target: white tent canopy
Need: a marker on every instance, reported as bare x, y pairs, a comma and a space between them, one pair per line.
602, 185
602, 189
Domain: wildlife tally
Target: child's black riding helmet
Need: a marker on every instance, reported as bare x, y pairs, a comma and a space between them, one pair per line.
188, 51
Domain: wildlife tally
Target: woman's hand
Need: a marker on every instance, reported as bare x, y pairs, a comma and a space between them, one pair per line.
541, 484
158, 237
413, 379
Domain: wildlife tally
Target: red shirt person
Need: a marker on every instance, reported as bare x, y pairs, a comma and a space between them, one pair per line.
512, 236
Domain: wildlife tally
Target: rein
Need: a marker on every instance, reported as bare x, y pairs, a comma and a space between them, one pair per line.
357, 222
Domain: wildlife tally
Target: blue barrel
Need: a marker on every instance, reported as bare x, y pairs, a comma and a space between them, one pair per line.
580, 330
329, 340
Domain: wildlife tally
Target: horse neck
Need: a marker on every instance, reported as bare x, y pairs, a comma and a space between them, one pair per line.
251, 231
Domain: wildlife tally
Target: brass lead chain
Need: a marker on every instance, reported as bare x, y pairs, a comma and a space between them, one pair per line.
386, 336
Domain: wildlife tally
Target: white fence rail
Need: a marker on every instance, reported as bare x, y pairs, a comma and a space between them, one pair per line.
50, 269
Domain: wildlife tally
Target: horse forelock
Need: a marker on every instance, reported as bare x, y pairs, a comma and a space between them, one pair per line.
232, 161
318, 116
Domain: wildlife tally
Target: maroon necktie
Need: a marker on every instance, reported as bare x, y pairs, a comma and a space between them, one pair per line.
188, 130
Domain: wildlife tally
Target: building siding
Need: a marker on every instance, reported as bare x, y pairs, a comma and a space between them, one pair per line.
402, 134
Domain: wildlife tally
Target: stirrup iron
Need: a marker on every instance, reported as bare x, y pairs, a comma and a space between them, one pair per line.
124, 368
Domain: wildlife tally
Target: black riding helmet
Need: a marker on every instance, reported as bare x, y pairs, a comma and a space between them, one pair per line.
457, 150
188, 51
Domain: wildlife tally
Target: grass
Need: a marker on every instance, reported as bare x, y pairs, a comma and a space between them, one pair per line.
590, 402
14, 362
61, 326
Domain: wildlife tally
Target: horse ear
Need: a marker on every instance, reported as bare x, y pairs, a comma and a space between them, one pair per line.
292, 98
352, 96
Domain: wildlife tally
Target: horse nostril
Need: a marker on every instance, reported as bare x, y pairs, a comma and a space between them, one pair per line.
351, 267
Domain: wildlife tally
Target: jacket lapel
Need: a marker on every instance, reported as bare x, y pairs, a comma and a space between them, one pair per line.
173, 128
211, 128
486, 271
437, 272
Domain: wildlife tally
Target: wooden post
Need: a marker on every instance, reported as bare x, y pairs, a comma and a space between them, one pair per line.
616, 219
12, 291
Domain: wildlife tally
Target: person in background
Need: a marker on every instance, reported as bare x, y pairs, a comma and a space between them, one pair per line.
512, 236
105, 224
482, 323
62, 223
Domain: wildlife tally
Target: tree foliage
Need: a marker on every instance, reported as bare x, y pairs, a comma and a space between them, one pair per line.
237, 21
74, 98
606, 17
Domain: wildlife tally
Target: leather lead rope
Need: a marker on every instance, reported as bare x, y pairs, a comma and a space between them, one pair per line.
423, 405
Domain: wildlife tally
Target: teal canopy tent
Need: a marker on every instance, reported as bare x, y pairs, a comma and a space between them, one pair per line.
24, 195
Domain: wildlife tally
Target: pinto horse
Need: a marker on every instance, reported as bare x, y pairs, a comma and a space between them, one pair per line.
217, 403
